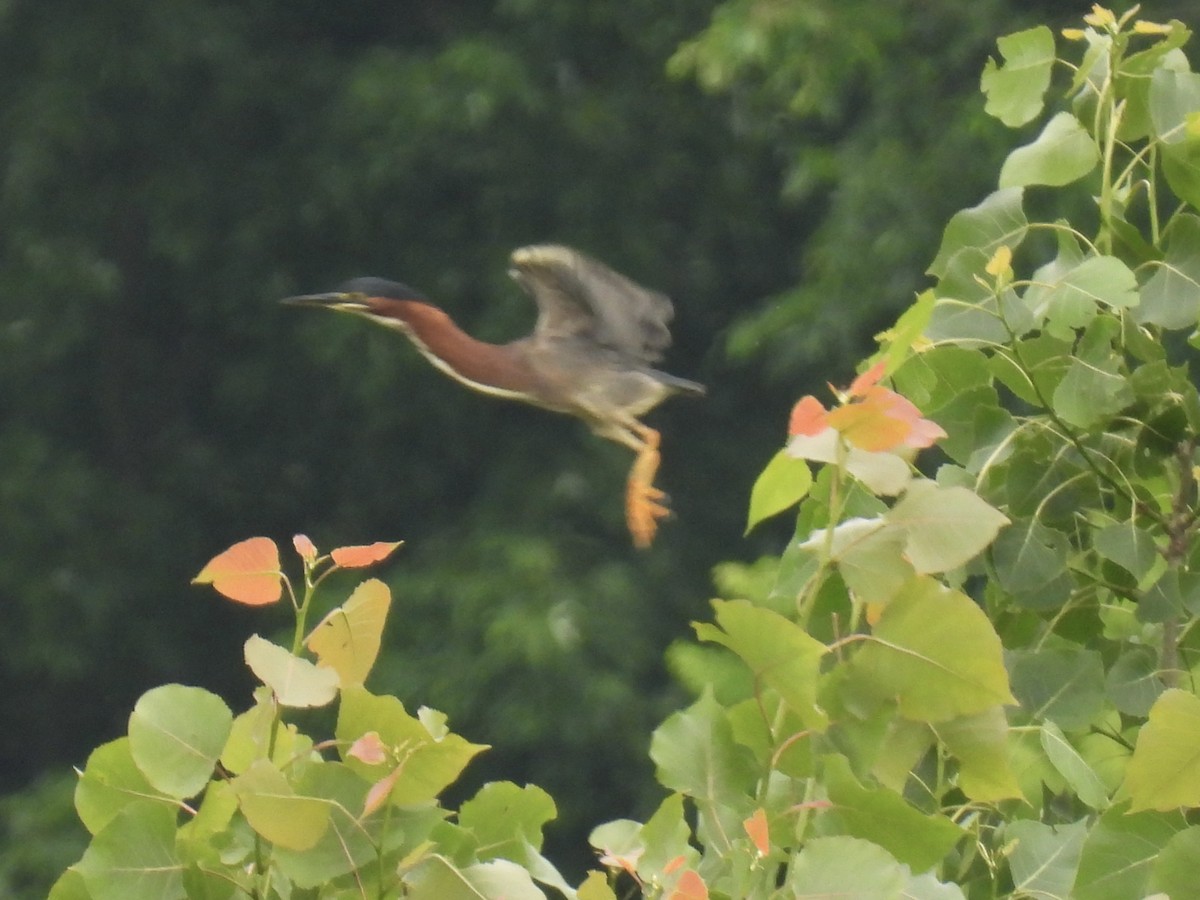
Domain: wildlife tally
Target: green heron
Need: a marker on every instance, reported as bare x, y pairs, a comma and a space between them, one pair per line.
590, 353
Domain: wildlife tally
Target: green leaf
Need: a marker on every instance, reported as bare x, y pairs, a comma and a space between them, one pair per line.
1133, 683
295, 681
1120, 852
1044, 858
781, 485
71, 886
1174, 872
134, 856
694, 753
437, 878
1091, 394
1074, 769
1164, 771
1015, 90
502, 816
944, 527
275, 811
347, 640
844, 867
1171, 296
886, 818
1068, 297
779, 653
936, 653
1064, 152
429, 763
110, 781
1064, 685
1174, 98
969, 241
1030, 562
1129, 546
980, 744
176, 734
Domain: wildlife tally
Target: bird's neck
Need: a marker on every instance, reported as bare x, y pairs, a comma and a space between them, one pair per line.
495, 369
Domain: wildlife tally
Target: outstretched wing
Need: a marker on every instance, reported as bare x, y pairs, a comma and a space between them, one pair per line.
579, 297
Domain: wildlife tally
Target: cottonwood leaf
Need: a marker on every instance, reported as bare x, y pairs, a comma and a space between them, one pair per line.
935, 652
362, 555
1164, 771
781, 485
1044, 858
944, 527
248, 572
295, 681
980, 744
1015, 89
176, 734
1064, 152
274, 809
347, 640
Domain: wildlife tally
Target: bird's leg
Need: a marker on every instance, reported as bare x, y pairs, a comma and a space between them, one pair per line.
644, 503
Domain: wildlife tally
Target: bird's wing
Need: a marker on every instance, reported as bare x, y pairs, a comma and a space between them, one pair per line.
579, 297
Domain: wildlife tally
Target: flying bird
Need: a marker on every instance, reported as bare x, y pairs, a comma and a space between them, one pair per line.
590, 354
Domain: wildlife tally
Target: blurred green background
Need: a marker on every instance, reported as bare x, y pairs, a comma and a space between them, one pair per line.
781, 168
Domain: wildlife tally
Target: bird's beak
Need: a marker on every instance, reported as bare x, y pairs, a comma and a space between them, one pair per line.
332, 300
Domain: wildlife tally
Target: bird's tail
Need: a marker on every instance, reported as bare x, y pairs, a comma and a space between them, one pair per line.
682, 385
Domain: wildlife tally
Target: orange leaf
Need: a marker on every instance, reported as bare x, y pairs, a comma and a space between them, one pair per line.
379, 792
884, 420
362, 555
248, 572
808, 417
306, 548
868, 379
369, 749
690, 887
756, 827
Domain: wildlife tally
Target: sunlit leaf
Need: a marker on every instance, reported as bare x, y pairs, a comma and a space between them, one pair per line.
781, 485
274, 809
689, 887
944, 527
779, 652
295, 681
110, 782
884, 817
1164, 771
176, 734
369, 749
438, 878
808, 417
845, 867
305, 548
134, 856
1044, 858
347, 640
885, 474
1074, 769
1064, 152
363, 555
980, 744
247, 572
936, 653
758, 831
1016, 88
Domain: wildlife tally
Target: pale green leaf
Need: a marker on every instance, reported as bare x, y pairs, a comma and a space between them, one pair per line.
1074, 769
275, 811
778, 651
944, 527
1174, 872
502, 815
880, 815
1016, 88
844, 867
134, 856
781, 485
347, 640
1064, 152
1120, 852
1063, 684
176, 734
1090, 394
1171, 296
295, 681
934, 651
110, 782
438, 878
1164, 771
980, 744
1044, 858
970, 240
1174, 101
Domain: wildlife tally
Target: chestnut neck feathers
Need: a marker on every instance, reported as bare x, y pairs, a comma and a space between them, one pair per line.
495, 369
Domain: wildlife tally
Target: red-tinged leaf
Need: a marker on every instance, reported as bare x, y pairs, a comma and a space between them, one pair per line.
808, 417
756, 827
690, 887
884, 420
379, 792
306, 548
625, 861
369, 749
357, 557
868, 379
677, 863
248, 572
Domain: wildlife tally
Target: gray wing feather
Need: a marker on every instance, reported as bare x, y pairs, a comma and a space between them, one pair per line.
579, 297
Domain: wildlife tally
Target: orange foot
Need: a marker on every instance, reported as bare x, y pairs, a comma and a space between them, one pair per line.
644, 503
